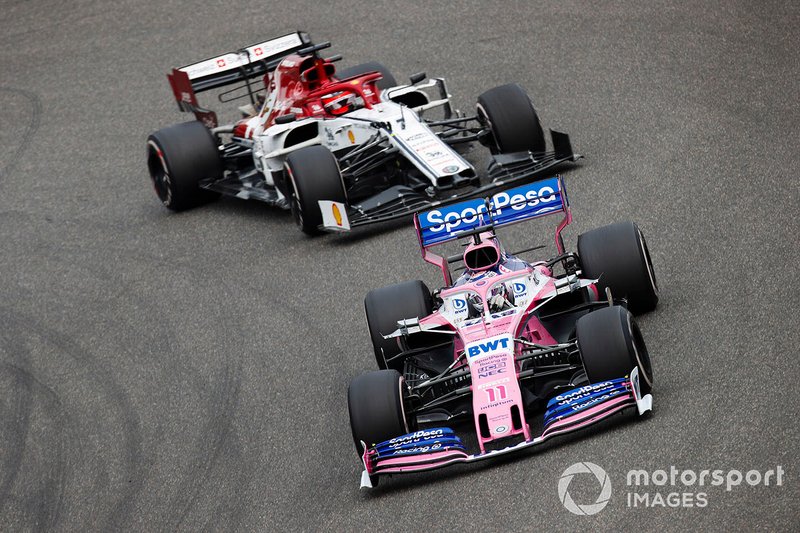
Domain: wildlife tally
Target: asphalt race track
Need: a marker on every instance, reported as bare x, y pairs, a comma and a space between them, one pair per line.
189, 372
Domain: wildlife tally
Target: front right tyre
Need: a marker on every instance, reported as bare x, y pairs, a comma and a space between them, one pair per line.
313, 175
508, 113
611, 346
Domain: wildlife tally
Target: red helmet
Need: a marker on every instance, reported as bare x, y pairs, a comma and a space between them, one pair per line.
338, 103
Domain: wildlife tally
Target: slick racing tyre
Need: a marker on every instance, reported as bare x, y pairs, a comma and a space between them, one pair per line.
178, 157
364, 68
617, 255
378, 402
611, 345
508, 113
385, 306
313, 175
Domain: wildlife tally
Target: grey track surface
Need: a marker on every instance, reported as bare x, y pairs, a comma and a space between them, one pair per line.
188, 372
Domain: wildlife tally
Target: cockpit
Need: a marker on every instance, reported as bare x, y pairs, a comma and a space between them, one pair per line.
506, 296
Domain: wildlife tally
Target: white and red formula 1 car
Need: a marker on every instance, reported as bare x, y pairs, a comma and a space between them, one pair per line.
340, 149
511, 352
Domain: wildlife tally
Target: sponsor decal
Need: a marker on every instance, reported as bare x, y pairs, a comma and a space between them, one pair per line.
418, 449
337, 215
585, 391
492, 384
450, 169
491, 369
221, 62
351, 136
488, 346
520, 289
501, 429
492, 372
520, 203
495, 404
422, 434
583, 398
460, 309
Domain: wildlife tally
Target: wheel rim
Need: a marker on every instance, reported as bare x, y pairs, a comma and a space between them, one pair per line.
647, 261
297, 211
159, 174
401, 384
640, 353
483, 118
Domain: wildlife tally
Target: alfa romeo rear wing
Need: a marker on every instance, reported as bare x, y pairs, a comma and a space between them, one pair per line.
219, 71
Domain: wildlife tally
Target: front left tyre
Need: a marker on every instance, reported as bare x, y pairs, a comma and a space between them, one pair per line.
178, 158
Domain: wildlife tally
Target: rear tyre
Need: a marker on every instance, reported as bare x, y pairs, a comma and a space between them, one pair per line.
377, 403
373, 66
178, 157
508, 113
611, 345
313, 175
385, 306
618, 256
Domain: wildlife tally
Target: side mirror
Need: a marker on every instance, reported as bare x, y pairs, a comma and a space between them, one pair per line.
285, 119
418, 77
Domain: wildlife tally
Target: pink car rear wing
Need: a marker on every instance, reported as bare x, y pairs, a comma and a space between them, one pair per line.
446, 223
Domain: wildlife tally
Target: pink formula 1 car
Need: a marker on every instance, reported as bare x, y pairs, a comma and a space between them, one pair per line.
515, 351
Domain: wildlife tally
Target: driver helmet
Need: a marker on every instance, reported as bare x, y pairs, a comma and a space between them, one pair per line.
484, 254
338, 103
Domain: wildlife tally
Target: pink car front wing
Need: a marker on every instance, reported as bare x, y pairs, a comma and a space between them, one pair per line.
567, 412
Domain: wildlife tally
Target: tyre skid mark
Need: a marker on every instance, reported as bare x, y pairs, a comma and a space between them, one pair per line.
53, 473
217, 438
213, 439
111, 388
30, 129
22, 405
